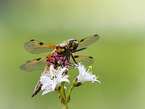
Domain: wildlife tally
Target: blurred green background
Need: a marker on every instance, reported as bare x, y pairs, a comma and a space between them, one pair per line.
119, 54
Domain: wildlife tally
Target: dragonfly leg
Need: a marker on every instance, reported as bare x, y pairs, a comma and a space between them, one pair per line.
68, 58
74, 59
79, 50
65, 60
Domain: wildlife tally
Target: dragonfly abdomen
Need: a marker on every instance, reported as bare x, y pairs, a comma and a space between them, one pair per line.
37, 88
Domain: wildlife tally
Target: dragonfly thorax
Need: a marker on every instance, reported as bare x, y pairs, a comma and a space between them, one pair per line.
62, 50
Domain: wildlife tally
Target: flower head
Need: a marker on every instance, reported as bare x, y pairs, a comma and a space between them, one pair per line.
85, 75
52, 78
57, 60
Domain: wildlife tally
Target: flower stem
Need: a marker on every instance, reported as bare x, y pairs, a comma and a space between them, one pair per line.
65, 106
69, 93
63, 96
62, 91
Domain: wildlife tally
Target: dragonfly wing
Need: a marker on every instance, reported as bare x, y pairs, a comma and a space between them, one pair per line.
85, 60
36, 47
83, 43
36, 64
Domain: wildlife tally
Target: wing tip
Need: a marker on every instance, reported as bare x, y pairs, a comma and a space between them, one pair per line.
91, 57
22, 67
96, 35
32, 40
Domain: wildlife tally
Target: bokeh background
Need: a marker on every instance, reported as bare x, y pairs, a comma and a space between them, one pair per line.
119, 54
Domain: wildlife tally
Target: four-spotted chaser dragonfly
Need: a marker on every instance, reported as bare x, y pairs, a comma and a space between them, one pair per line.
65, 49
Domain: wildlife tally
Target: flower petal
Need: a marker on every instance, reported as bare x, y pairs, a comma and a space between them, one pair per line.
53, 79
46, 91
85, 75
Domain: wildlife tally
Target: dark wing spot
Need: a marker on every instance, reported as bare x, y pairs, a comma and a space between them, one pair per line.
96, 35
38, 59
41, 43
32, 40
76, 56
82, 40
27, 61
91, 57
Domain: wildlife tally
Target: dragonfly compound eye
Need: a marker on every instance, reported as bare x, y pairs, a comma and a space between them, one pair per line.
75, 44
72, 44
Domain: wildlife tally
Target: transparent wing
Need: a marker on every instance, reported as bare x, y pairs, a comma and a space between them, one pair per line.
36, 64
86, 60
36, 47
83, 43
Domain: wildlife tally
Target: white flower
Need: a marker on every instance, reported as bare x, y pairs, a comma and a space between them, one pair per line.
85, 75
52, 80
47, 86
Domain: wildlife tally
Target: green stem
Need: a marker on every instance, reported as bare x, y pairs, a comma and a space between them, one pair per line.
69, 93
63, 96
62, 91
65, 106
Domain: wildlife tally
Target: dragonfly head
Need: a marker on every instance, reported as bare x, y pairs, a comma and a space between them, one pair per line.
72, 44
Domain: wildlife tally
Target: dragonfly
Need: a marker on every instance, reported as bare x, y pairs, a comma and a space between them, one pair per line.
65, 49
